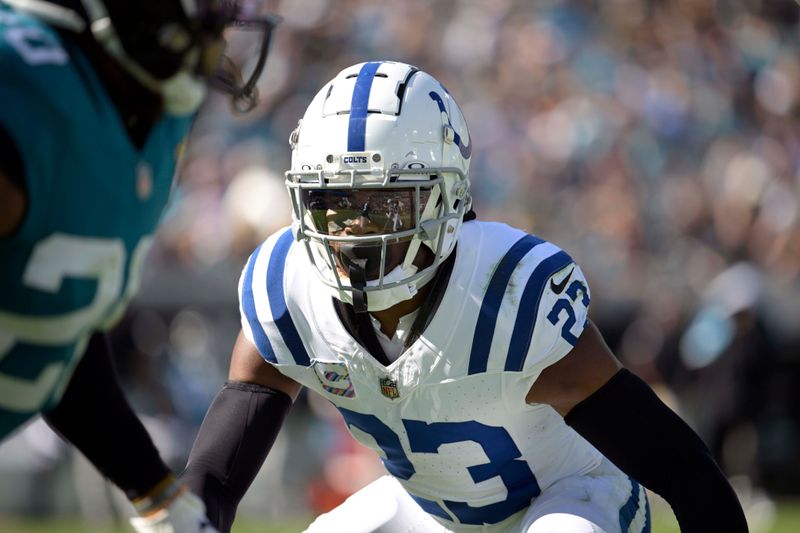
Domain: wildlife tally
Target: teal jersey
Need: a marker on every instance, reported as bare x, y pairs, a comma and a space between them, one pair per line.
94, 201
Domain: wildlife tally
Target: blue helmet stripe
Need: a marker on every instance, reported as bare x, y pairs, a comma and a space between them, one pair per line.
529, 309
249, 306
357, 128
490, 307
277, 299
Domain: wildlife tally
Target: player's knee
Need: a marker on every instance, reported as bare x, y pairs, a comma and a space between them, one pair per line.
366, 511
563, 523
383, 506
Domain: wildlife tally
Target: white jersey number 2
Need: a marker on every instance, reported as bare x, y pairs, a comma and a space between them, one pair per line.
54, 259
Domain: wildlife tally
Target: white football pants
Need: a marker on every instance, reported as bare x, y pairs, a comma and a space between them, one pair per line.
603, 501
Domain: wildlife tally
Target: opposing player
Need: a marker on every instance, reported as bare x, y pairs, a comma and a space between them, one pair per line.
97, 98
459, 350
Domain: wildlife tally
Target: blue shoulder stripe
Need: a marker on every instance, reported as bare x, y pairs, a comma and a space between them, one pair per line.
357, 127
277, 299
529, 309
490, 307
249, 307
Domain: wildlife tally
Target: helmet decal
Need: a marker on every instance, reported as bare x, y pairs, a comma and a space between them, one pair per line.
466, 151
357, 127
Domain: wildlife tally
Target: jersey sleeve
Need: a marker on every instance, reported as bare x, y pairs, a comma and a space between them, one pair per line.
264, 308
557, 295
33, 64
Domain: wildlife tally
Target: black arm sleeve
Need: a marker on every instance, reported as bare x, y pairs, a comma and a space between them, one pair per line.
96, 418
237, 433
626, 421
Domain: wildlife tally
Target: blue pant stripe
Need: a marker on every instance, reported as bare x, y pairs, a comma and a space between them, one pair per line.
628, 511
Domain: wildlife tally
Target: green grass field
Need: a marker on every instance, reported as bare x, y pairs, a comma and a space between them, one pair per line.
787, 520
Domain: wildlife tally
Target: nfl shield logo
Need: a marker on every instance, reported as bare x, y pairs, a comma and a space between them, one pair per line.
389, 388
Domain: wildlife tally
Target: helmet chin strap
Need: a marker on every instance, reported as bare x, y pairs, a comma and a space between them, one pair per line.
361, 261
183, 93
356, 271
368, 256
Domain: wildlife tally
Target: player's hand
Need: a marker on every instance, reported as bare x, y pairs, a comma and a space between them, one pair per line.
185, 514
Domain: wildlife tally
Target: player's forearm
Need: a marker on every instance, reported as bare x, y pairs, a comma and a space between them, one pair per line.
627, 422
237, 433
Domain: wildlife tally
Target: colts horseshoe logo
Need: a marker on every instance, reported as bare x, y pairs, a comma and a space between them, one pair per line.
466, 150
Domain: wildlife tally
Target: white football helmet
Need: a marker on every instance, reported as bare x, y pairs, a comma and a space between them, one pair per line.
379, 181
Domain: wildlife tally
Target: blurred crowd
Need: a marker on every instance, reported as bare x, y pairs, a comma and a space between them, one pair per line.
657, 141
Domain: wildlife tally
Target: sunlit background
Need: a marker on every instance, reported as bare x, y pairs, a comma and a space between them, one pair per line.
656, 141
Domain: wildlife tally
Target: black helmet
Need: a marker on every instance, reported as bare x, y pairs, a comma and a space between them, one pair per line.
173, 47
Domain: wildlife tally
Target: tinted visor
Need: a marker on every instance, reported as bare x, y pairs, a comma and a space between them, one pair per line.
364, 211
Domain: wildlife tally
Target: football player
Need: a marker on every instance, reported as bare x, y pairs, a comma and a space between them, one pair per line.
97, 99
459, 350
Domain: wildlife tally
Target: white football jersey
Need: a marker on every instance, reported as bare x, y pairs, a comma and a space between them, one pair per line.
449, 416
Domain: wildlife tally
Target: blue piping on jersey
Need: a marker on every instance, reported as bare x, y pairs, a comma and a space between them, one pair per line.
249, 307
490, 307
277, 299
529, 309
628, 511
357, 127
